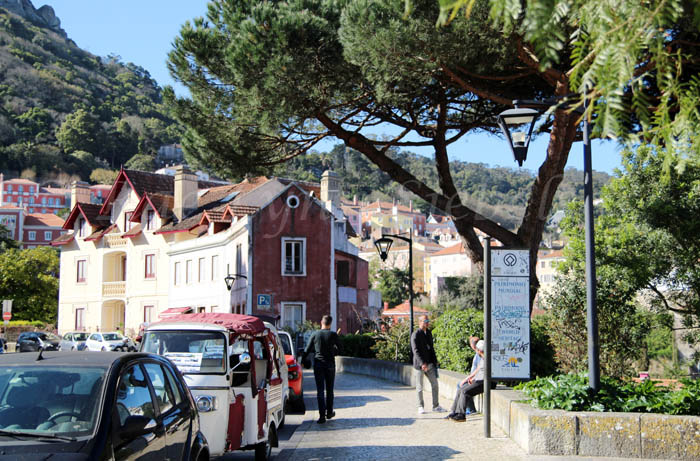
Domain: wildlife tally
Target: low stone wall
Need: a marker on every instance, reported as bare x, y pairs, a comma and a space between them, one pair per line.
558, 432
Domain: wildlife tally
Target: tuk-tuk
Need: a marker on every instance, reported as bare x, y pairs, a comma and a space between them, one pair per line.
235, 368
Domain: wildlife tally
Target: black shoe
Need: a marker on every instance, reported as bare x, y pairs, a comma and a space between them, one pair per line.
321, 420
330, 415
459, 418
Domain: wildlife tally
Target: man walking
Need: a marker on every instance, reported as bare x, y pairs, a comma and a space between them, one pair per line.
324, 345
425, 363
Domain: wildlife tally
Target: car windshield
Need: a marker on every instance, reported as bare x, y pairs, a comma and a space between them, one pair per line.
80, 336
112, 336
286, 345
50, 400
193, 352
48, 337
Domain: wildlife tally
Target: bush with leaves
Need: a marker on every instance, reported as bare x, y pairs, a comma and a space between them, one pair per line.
542, 355
357, 345
461, 293
571, 392
451, 332
393, 343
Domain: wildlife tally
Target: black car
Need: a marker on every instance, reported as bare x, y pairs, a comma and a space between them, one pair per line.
107, 406
31, 341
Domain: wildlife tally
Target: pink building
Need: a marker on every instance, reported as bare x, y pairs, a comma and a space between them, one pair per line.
30, 229
23, 193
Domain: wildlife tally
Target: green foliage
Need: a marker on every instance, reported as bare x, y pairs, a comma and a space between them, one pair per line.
103, 176
357, 345
393, 343
542, 354
571, 392
141, 162
451, 332
30, 277
6, 241
56, 94
393, 284
622, 326
461, 293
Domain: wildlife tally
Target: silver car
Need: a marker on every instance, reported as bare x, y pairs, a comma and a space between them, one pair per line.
73, 341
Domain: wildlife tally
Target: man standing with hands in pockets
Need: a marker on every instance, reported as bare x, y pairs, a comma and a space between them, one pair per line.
425, 363
324, 346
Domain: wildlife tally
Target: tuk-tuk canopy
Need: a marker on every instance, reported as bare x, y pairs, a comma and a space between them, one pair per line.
238, 323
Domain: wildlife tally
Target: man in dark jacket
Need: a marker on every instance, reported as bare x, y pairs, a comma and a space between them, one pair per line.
425, 363
324, 345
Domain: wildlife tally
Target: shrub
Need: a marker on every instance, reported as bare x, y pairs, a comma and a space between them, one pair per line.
394, 343
451, 334
542, 356
571, 392
357, 346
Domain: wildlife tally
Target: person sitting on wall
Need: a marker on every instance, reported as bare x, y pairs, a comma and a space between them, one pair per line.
469, 387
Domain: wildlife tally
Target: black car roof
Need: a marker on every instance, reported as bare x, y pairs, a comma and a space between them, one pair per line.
50, 359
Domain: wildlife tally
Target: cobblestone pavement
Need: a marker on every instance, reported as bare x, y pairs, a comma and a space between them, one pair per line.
378, 420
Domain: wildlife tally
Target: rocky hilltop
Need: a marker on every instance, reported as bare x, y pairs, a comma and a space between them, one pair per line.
44, 16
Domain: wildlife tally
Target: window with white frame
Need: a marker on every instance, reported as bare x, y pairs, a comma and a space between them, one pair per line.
178, 274
292, 315
127, 220
80, 318
214, 267
188, 271
81, 266
201, 270
293, 256
48, 235
32, 235
150, 269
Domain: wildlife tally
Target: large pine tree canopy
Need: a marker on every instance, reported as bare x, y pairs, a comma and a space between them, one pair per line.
269, 80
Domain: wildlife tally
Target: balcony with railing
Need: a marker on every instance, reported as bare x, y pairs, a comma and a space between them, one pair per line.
115, 241
113, 289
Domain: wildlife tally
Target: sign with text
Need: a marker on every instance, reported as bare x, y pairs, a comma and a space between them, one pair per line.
510, 314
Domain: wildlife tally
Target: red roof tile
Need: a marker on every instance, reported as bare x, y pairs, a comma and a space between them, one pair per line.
63, 239
43, 219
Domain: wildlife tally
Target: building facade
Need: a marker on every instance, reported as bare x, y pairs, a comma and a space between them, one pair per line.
30, 230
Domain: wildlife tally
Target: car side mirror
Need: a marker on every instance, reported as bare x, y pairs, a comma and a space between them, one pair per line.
136, 425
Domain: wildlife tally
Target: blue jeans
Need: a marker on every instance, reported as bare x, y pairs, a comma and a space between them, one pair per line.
324, 374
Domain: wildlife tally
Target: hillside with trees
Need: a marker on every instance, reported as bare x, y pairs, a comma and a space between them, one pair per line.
66, 112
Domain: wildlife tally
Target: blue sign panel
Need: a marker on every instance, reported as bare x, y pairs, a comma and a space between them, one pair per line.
264, 300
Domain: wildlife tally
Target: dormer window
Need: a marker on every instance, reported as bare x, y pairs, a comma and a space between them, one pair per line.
150, 220
82, 227
127, 220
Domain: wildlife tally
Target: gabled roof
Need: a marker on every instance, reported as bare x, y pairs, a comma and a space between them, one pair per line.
161, 204
212, 216
63, 239
98, 234
457, 249
90, 212
43, 219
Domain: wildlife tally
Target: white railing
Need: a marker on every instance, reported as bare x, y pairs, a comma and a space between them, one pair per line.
114, 288
114, 241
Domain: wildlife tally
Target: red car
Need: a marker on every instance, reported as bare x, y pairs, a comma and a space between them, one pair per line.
295, 373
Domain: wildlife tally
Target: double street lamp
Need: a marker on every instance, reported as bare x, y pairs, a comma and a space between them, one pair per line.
383, 246
517, 125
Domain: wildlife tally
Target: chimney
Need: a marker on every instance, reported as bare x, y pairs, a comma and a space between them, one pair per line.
185, 192
79, 193
330, 187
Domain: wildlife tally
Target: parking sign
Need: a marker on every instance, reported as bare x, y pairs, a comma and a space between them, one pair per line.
264, 301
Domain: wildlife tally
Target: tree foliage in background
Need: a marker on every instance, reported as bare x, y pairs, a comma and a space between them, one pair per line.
393, 284
461, 293
6, 240
30, 278
270, 80
637, 60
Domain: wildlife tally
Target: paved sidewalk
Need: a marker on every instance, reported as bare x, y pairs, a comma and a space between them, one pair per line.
378, 420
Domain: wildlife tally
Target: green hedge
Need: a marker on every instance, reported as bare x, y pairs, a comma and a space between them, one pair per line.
571, 392
357, 346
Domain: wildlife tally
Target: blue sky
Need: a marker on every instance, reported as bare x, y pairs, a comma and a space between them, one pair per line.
142, 32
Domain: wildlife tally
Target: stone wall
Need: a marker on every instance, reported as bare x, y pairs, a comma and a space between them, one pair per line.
558, 432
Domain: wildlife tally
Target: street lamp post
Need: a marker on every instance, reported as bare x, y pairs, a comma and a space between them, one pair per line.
383, 246
521, 121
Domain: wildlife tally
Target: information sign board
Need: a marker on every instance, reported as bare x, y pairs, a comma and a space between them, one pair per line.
510, 314
264, 301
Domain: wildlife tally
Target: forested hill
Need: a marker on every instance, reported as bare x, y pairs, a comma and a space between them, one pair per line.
497, 192
63, 109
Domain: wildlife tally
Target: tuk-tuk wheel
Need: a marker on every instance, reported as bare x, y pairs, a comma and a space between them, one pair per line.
263, 450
